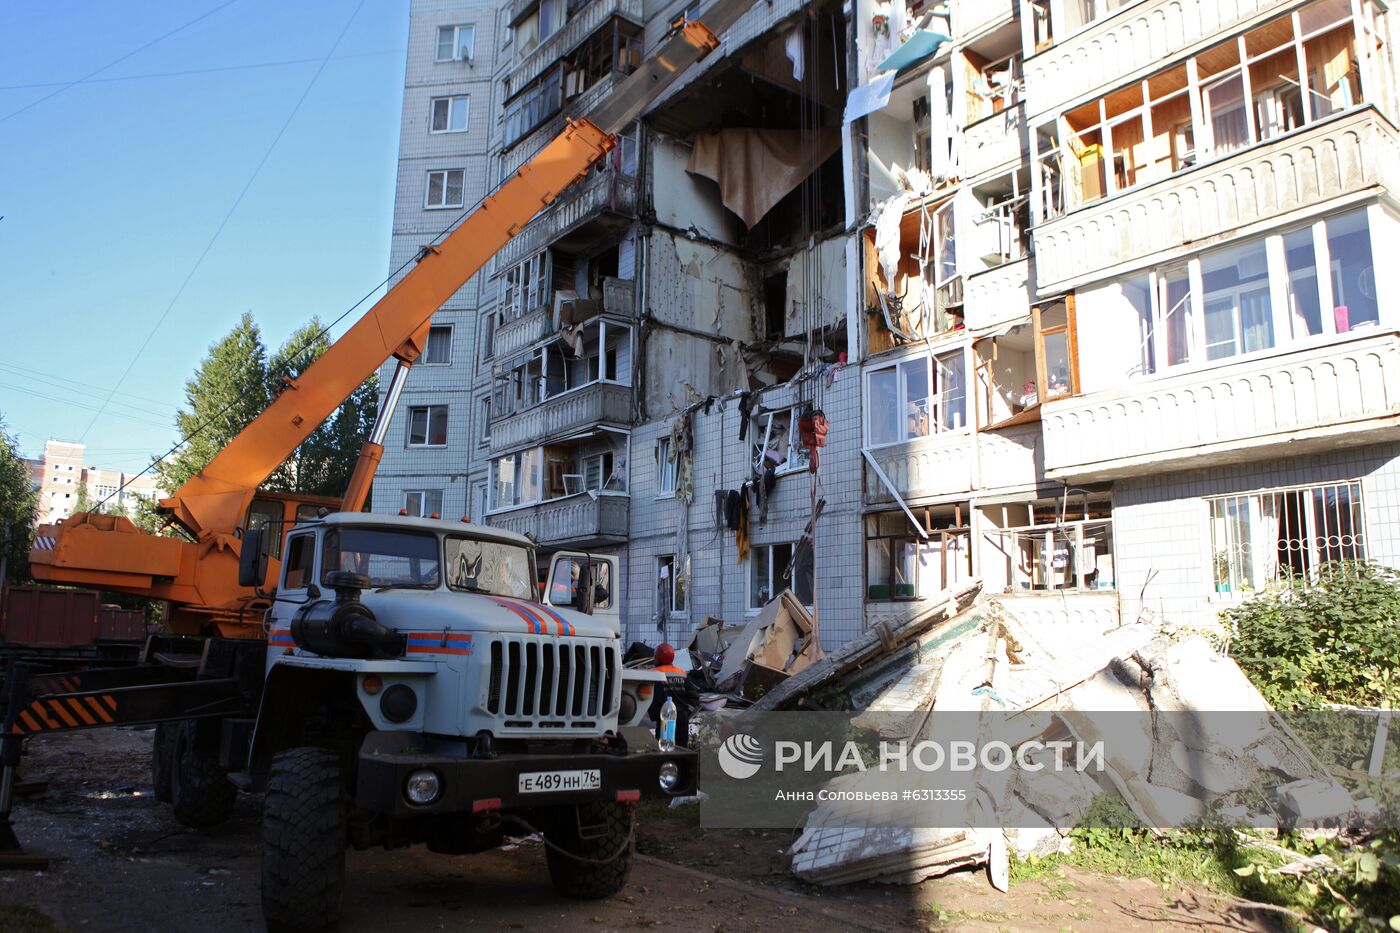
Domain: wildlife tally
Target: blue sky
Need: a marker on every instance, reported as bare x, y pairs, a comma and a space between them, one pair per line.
111, 189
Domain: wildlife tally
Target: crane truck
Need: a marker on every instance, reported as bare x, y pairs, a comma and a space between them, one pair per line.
382, 680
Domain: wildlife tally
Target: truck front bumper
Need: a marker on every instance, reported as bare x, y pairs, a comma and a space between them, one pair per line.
386, 760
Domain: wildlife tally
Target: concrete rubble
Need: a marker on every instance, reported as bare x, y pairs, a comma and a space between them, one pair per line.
1062, 681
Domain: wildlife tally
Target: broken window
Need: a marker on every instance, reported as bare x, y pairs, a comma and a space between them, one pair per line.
778, 443
916, 397
525, 286
913, 280
616, 48
768, 573
427, 426
1007, 390
1275, 534
516, 478
1055, 544
901, 563
534, 105
999, 230
671, 584
423, 503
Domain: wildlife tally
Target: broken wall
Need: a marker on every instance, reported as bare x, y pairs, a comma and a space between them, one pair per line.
822, 268
684, 201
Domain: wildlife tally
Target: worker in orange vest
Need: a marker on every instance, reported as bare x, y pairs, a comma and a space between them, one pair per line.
663, 660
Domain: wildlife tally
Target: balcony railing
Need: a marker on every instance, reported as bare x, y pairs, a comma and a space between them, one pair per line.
998, 295
971, 17
1341, 155
1320, 396
567, 413
994, 142
1121, 46
569, 37
574, 520
938, 465
514, 336
1010, 457
606, 191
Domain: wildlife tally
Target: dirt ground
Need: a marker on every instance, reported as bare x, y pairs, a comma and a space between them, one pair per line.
121, 862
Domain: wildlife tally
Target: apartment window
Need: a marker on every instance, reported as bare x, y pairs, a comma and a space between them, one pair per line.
423, 503
671, 584
427, 426
778, 443
534, 105
456, 43
450, 114
768, 573
525, 286
516, 479
1056, 357
666, 468
598, 472
900, 563
439, 348
1262, 536
915, 397
1322, 273
445, 188
614, 49
1063, 543
485, 436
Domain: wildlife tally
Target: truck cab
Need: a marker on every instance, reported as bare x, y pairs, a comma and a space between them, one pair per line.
412, 666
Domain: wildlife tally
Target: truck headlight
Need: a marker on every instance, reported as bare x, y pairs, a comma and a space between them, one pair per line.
422, 787
669, 777
399, 703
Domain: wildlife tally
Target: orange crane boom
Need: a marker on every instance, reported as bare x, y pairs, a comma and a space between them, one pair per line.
199, 577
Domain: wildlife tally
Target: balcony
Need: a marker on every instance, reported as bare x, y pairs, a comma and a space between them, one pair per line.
994, 142
619, 297
1319, 397
567, 413
1010, 458
574, 521
514, 336
924, 469
603, 193
971, 17
1118, 48
997, 296
579, 27
1342, 155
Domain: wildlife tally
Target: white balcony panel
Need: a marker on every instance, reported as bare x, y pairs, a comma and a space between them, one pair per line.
1011, 457
1344, 155
577, 519
922, 469
601, 403
972, 17
514, 336
1130, 43
1347, 392
994, 142
600, 192
997, 296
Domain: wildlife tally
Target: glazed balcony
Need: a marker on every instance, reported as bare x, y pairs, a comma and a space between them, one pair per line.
564, 414
1341, 155
570, 36
606, 196
1123, 46
573, 521
1313, 398
994, 142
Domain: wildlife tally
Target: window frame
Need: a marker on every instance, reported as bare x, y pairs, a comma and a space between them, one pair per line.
957, 530
667, 470
423, 502
677, 591
452, 101
456, 43
773, 588
293, 541
428, 204
428, 426
1069, 331
797, 459
451, 335
934, 400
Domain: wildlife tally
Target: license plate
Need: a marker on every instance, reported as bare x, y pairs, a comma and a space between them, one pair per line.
540, 782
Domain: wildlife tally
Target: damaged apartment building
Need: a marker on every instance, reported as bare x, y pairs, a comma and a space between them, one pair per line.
1077, 295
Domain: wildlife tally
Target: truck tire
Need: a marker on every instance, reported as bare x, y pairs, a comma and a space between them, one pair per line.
163, 759
304, 836
607, 835
200, 790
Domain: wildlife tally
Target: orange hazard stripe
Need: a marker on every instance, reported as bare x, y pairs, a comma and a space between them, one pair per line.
97, 708
63, 714
30, 724
76, 706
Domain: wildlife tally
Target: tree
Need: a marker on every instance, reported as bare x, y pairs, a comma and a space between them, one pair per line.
87, 503
236, 381
19, 507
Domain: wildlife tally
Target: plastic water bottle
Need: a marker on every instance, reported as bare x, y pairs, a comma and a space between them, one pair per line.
667, 740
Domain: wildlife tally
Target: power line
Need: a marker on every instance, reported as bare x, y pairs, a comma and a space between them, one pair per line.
29, 371
234, 207
116, 61
190, 71
61, 387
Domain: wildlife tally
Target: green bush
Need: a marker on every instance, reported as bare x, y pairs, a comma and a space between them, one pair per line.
1334, 639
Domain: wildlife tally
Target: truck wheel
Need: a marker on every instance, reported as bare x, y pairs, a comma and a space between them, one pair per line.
605, 833
163, 758
304, 836
200, 789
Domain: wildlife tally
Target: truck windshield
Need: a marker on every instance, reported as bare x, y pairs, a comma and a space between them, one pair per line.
489, 567
388, 558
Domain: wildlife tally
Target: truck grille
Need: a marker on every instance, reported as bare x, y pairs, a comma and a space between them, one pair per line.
552, 683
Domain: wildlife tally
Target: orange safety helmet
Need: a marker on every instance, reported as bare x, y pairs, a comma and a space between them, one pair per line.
664, 655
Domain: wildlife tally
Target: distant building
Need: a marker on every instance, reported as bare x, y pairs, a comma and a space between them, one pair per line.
62, 474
